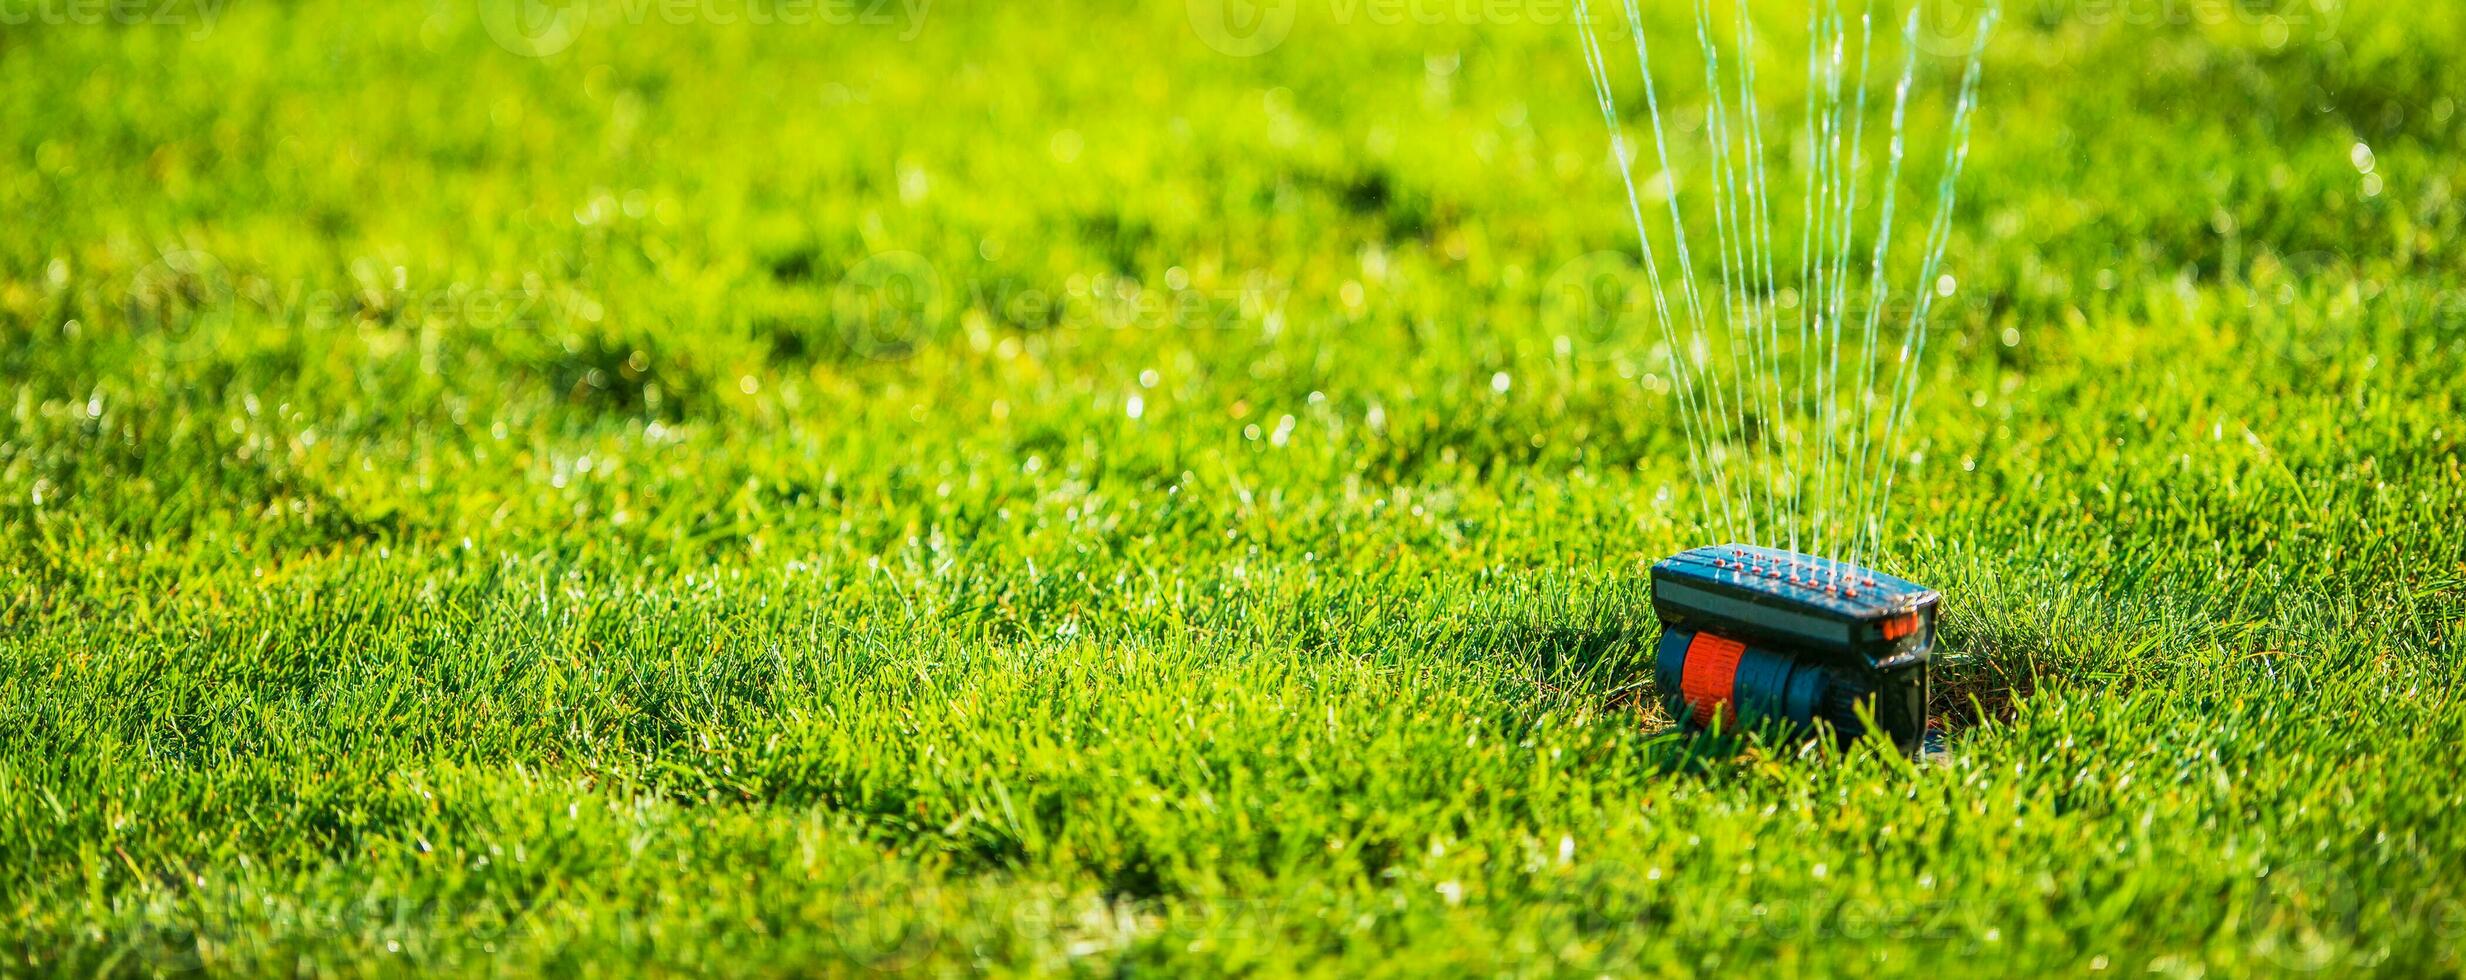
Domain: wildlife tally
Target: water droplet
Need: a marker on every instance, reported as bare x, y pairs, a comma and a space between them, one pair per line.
1066, 145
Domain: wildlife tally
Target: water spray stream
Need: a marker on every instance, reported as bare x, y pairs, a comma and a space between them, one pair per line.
1792, 454
1695, 352
1737, 301
1838, 301
1681, 380
1776, 442
1939, 237
1877, 285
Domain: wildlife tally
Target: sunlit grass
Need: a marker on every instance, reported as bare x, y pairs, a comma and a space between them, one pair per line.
468, 510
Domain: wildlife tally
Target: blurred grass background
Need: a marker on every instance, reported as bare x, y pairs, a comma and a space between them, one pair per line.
1082, 487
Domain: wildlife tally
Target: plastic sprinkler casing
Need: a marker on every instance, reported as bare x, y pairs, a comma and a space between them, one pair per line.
1760, 638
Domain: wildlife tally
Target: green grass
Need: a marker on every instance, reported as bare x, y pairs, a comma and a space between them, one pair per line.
455, 512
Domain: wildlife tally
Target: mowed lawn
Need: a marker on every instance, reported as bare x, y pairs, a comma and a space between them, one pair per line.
1078, 488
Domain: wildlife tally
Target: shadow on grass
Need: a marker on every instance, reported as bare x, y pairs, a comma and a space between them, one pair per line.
1608, 666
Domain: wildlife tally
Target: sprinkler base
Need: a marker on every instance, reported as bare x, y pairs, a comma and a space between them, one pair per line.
1770, 639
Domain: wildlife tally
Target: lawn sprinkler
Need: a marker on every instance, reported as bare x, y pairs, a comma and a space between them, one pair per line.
1764, 638
1761, 638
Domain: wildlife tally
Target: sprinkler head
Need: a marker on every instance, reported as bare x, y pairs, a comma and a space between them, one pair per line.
1765, 638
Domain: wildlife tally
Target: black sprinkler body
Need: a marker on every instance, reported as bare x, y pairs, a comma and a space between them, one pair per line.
1764, 638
